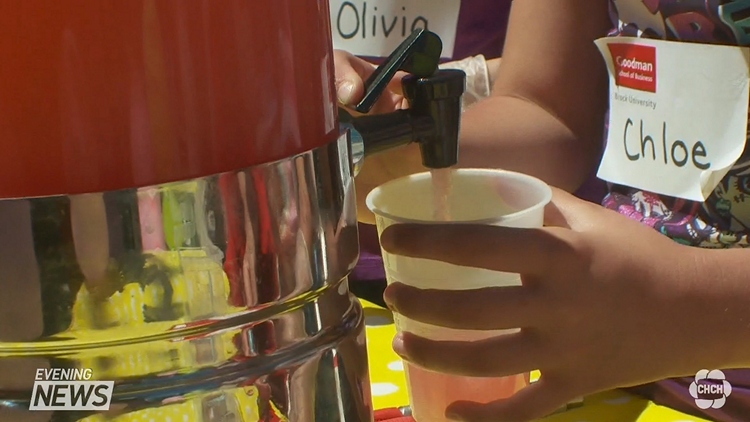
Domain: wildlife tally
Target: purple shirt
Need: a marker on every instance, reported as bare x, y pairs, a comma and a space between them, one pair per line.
481, 28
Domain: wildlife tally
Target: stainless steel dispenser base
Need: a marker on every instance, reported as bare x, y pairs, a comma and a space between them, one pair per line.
222, 298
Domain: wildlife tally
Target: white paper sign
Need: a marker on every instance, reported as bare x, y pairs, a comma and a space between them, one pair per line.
374, 28
678, 114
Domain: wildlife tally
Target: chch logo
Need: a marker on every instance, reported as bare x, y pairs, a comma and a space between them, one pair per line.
710, 389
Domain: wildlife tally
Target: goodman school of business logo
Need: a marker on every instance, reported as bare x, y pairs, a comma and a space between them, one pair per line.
70, 389
710, 389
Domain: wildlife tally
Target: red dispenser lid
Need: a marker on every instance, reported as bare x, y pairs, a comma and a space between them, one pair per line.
104, 95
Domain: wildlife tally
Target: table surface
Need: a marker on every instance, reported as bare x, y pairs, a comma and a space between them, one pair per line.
389, 384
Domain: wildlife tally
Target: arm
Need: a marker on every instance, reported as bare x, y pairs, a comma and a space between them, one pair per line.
716, 303
546, 113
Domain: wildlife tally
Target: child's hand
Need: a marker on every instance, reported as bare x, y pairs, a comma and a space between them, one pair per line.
351, 74
606, 302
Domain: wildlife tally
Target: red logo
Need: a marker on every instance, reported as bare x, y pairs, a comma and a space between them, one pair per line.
635, 66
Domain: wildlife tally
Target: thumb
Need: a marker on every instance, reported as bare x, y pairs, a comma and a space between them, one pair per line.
348, 92
351, 72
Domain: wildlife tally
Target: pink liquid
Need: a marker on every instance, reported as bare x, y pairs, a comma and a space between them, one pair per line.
431, 393
442, 184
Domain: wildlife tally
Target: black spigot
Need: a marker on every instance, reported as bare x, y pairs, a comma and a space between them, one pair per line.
434, 114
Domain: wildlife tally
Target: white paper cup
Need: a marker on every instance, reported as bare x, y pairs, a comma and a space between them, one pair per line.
491, 197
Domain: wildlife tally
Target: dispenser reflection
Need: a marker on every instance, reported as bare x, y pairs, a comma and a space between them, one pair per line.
217, 299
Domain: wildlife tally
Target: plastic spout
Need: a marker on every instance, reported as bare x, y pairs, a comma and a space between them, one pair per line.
437, 99
434, 114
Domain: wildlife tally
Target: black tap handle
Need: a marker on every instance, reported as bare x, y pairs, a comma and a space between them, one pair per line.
418, 55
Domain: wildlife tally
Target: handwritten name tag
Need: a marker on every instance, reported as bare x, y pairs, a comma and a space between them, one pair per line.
677, 116
374, 28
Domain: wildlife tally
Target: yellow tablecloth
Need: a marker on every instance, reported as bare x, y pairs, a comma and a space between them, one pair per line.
389, 384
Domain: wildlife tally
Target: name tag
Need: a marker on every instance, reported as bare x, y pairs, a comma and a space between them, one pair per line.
677, 116
374, 28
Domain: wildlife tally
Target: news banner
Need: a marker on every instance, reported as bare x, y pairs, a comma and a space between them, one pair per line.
70, 389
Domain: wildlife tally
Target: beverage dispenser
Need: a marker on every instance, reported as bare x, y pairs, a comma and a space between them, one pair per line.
177, 215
